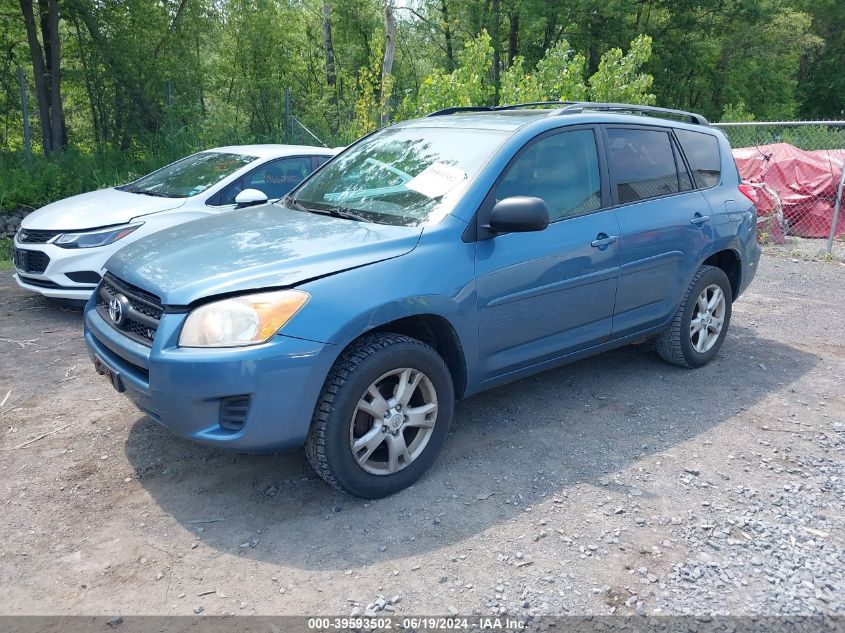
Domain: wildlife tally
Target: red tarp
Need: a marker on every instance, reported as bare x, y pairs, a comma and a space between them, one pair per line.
806, 182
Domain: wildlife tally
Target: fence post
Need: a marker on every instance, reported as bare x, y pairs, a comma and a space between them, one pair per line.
836, 207
27, 137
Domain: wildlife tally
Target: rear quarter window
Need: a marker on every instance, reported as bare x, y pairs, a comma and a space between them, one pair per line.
702, 152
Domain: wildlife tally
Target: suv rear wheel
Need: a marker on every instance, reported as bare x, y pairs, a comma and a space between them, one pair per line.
696, 333
383, 416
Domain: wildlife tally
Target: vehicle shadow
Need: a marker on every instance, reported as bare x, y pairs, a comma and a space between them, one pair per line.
509, 448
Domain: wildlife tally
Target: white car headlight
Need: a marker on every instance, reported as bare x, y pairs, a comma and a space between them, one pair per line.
90, 239
246, 320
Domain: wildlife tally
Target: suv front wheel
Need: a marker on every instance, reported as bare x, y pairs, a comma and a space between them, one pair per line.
699, 327
383, 416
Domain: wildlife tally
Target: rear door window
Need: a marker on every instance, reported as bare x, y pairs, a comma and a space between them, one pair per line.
702, 152
643, 164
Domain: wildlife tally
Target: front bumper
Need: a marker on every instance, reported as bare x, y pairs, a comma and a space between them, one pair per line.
53, 281
49, 288
182, 388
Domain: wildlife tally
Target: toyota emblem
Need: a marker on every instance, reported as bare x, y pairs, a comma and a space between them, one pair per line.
117, 309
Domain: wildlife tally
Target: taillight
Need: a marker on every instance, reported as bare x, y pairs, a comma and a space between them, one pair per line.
750, 192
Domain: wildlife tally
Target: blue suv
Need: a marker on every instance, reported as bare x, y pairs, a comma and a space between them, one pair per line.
428, 261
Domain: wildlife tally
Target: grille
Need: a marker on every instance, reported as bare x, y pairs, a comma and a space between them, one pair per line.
84, 277
28, 261
233, 412
29, 236
140, 323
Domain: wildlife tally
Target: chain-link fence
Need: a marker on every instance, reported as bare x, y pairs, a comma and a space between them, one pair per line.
797, 168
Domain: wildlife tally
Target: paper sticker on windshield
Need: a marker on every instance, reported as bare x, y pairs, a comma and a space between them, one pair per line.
435, 180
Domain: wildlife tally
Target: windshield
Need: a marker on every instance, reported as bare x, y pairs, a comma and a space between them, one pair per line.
189, 176
400, 175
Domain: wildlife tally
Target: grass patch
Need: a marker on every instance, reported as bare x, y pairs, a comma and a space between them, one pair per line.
6, 254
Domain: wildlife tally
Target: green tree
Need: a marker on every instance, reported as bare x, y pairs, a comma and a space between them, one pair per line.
619, 77
469, 84
559, 76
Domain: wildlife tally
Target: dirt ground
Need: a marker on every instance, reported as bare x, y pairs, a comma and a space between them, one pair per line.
616, 484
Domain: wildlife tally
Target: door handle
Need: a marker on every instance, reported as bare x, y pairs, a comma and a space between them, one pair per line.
603, 240
699, 219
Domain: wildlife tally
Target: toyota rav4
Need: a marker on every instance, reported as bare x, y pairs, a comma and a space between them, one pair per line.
427, 262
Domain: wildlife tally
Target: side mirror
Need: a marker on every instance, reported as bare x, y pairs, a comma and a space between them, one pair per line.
250, 198
519, 214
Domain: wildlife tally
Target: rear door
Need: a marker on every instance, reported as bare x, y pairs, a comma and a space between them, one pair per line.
665, 224
551, 292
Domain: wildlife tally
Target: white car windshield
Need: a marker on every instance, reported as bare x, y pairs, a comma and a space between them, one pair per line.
189, 176
399, 175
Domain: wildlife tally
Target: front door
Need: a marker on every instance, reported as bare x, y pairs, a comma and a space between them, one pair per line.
544, 294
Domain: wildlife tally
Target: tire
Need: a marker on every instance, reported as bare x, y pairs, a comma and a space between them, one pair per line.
342, 416
678, 343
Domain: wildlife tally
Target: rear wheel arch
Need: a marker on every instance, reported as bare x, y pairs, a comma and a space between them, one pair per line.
729, 261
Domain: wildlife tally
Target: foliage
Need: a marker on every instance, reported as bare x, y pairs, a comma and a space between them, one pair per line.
32, 184
226, 65
618, 78
5, 253
559, 76
737, 113
373, 93
467, 85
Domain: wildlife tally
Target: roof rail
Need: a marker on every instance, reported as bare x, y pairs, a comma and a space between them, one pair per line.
456, 109
509, 106
575, 108
516, 106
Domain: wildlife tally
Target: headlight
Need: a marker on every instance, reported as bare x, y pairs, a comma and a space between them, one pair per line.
246, 320
90, 239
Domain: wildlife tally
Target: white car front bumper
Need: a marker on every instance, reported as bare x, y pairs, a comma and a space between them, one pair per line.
52, 280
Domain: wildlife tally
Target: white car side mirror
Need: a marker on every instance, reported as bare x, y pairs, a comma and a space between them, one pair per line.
249, 198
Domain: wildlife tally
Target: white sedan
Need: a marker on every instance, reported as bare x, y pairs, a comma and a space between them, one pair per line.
61, 248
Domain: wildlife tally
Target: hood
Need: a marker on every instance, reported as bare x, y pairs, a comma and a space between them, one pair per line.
261, 247
95, 209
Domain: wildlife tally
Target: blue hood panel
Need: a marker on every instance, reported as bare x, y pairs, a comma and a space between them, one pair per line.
251, 249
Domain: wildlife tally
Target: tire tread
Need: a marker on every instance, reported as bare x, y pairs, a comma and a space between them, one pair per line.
668, 342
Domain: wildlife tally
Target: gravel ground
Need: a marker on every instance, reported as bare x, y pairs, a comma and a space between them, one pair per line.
618, 484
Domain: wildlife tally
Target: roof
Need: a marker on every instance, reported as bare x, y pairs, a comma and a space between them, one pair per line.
271, 150
506, 120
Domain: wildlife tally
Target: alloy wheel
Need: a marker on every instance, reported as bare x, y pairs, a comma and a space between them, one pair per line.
393, 421
708, 317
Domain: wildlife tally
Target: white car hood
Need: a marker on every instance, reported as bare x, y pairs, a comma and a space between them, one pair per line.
97, 208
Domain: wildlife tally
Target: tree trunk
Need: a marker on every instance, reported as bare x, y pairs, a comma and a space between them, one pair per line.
447, 33
54, 63
40, 78
387, 65
331, 72
513, 37
389, 41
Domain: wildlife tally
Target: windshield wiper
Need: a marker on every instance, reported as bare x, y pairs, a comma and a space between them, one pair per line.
336, 212
157, 194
